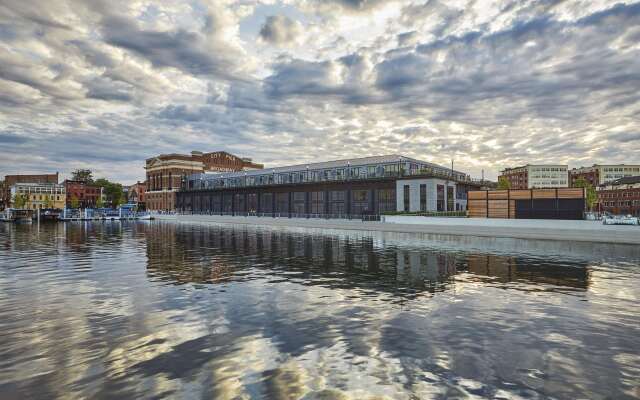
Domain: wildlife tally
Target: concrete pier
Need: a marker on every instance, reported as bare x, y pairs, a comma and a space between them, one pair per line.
578, 231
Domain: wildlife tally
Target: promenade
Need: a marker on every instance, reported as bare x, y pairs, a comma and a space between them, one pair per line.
579, 231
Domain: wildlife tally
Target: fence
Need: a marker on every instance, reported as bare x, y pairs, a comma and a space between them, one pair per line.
560, 203
362, 217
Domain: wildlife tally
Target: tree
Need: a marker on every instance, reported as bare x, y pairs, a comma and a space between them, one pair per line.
99, 202
19, 200
503, 183
83, 175
592, 196
74, 203
112, 191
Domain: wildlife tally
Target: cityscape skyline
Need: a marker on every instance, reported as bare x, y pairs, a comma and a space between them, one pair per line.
106, 85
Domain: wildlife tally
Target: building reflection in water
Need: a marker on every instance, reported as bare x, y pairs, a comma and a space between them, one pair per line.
215, 254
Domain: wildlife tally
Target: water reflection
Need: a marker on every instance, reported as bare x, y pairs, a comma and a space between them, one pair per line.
159, 310
216, 254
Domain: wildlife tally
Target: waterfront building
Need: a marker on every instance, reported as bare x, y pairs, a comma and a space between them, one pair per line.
11, 180
40, 195
3, 205
359, 186
621, 196
136, 193
599, 174
85, 194
536, 176
166, 172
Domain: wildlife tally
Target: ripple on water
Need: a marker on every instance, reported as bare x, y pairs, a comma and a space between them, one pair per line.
155, 310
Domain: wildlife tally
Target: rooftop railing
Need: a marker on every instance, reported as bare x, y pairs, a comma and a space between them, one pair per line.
203, 182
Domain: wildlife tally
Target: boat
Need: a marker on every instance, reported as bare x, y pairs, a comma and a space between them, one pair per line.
16, 215
620, 220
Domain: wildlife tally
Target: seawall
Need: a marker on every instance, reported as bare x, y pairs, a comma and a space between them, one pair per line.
579, 231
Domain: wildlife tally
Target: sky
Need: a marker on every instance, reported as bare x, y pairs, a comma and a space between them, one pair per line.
105, 84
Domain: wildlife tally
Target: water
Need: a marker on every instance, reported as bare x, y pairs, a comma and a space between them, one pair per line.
159, 310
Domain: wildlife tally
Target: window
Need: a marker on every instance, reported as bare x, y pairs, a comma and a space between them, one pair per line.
450, 199
423, 197
317, 202
386, 200
440, 197
407, 194
360, 200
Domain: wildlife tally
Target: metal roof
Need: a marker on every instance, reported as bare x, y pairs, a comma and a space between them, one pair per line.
627, 180
349, 162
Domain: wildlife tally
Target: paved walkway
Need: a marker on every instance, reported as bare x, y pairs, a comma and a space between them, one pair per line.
581, 231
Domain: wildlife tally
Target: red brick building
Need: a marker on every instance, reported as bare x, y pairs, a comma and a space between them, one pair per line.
590, 174
137, 193
10, 180
518, 177
621, 196
86, 195
166, 171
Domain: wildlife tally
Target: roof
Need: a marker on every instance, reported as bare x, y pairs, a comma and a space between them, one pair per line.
384, 159
627, 180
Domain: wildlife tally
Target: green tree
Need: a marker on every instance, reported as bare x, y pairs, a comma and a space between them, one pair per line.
99, 202
503, 183
83, 175
19, 200
112, 191
74, 203
592, 196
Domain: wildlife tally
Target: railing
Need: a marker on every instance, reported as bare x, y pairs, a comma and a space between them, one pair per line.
361, 217
459, 213
302, 177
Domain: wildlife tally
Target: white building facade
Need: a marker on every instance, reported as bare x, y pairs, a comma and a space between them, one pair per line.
547, 176
427, 195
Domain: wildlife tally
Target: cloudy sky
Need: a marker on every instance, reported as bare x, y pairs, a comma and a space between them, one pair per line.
105, 84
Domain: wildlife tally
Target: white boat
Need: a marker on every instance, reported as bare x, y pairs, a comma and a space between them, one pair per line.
620, 220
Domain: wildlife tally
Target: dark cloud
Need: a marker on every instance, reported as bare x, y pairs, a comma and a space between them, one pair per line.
187, 51
108, 90
9, 138
280, 30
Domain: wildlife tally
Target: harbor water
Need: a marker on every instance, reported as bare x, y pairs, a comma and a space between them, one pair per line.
166, 310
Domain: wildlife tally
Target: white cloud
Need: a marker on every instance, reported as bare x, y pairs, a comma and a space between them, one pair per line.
387, 76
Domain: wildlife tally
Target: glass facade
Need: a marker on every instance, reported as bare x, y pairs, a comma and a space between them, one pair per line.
402, 167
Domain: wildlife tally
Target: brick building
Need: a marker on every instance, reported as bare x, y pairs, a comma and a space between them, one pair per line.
599, 174
137, 193
86, 195
536, 176
12, 180
621, 196
166, 172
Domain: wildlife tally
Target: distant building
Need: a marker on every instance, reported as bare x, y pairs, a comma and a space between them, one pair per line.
40, 195
10, 180
536, 176
166, 172
137, 193
599, 174
340, 188
85, 194
621, 196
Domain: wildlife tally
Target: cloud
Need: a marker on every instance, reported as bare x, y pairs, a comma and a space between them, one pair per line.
187, 51
280, 30
490, 85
